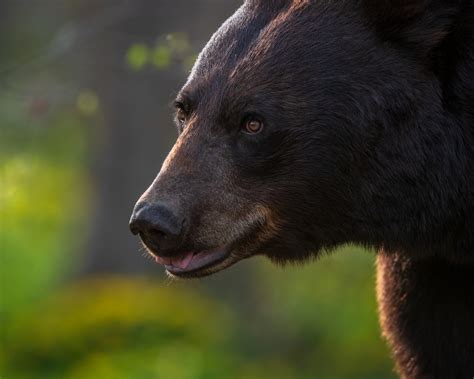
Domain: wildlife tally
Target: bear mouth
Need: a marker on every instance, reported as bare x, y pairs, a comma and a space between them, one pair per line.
207, 261
197, 263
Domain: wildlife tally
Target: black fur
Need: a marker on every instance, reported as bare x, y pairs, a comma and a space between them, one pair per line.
368, 112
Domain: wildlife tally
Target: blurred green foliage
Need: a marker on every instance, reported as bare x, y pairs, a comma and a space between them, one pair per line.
137, 56
43, 190
118, 327
174, 48
87, 103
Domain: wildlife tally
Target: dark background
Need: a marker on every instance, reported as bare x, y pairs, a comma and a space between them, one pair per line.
85, 123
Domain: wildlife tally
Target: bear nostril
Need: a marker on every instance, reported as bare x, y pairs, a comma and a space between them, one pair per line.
157, 234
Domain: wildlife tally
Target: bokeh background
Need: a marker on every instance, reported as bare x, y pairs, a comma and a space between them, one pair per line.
85, 122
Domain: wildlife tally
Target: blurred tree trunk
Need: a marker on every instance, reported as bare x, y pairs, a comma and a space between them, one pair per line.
136, 132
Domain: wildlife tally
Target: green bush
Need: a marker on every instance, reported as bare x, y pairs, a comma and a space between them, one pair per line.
130, 327
43, 198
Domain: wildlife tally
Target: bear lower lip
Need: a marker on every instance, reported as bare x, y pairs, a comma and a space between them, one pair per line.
181, 261
194, 261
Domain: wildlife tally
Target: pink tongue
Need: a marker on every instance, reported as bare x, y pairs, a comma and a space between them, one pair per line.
184, 261
180, 262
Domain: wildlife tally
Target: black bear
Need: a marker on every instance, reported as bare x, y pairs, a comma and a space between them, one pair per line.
307, 124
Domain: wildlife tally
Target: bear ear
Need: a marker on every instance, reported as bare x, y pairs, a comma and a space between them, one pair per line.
418, 24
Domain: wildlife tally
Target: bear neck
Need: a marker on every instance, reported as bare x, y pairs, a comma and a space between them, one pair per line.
426, 310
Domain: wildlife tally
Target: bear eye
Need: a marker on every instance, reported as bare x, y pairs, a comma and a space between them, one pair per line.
253, 126
181, 115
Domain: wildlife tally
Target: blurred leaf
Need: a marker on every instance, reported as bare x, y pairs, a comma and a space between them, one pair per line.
138, 56
161, 57
87, 103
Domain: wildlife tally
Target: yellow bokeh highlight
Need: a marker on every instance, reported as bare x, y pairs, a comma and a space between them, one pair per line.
161, 57
137, 56
87, 103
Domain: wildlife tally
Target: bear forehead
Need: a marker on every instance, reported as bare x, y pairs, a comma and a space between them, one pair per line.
252, 48
250, 37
